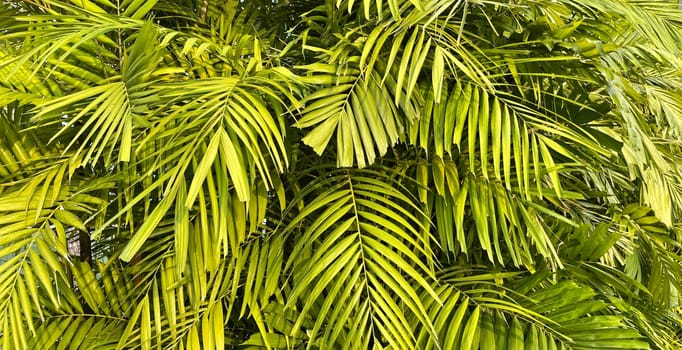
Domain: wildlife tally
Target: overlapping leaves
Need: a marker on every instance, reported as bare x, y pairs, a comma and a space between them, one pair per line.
499, 144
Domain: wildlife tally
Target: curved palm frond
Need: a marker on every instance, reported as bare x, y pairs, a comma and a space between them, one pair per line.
365, 254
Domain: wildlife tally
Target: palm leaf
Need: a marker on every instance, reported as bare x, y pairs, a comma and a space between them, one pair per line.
346, 243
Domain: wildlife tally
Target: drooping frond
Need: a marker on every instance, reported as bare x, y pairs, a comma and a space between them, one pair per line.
365, 256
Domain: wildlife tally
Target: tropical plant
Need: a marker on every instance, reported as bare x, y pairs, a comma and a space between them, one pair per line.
420, 174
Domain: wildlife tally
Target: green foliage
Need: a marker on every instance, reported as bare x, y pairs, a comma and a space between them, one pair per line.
403, 174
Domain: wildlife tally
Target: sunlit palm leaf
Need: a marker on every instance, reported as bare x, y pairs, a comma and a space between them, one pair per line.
359, 218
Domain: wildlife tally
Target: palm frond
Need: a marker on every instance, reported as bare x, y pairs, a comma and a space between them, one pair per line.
348, 262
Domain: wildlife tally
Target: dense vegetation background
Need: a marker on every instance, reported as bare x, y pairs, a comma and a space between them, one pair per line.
401, 174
